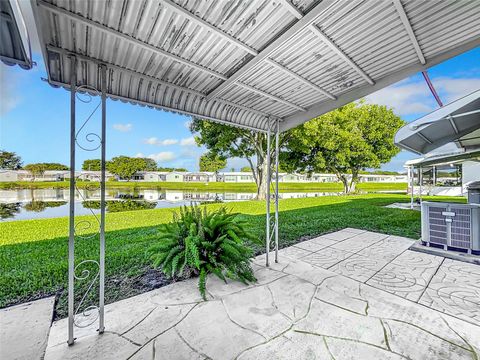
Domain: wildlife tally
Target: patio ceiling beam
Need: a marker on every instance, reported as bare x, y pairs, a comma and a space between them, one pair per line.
270, 96
339, 52
316, 31
452, 122
154, 79
300, 78
301, 24
298, 14
118, 34
162, 107
292, 9
424, 138
211, 27
408, 27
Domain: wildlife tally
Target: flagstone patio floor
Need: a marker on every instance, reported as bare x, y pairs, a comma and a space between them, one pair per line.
351, 294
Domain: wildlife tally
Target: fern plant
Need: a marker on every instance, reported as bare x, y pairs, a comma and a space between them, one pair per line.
199, 242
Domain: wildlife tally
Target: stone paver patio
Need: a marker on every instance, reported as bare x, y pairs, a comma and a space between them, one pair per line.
347, 295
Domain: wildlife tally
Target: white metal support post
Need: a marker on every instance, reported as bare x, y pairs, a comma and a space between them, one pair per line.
277, 154
269, 173
420, 179
101, 328
90, 271
412, 184
271, 228
71, 234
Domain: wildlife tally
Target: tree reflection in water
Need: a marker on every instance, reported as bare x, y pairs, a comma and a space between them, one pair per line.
8, 211
39, 206
117, 206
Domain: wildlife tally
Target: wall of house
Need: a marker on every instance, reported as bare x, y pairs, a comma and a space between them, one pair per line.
8, 176
151, 177
470, 172
174, 177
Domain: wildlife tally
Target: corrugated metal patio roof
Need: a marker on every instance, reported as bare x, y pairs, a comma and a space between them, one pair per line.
243, 62
14, 40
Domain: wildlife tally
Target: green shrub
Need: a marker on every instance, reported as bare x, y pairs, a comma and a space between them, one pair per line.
198, 242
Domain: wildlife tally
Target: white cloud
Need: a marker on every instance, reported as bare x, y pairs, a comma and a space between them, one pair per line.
454, 89
140, 155
162, 156
413, 97
187, 124
123, 127
190, 141
10, 89
158, 142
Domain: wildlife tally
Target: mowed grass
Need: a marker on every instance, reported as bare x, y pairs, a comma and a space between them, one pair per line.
197, 186
33, 253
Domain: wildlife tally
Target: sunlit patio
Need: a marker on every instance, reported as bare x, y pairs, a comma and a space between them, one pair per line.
351, 294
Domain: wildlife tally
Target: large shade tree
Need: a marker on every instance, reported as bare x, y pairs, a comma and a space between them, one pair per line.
211, 162
35, 169
345, 142
92, 165
228, 142
53, 166
10, 160
125, 167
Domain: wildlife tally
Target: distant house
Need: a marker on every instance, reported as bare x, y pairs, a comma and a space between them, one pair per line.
240, 177
90, 175
382, 178
152, 176
323, 178
8, 175
173, 176
292, 178
200, 177
158, 176
48, 175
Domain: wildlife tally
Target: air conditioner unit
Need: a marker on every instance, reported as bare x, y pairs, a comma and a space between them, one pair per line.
451, 225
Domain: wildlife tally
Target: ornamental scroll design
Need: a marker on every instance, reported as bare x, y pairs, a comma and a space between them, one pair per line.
87, 271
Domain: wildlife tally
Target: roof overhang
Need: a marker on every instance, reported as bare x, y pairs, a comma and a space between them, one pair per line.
15, 43
445, 159
246, 63
456, 122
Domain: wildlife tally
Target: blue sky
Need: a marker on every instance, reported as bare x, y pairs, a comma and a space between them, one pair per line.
35, 117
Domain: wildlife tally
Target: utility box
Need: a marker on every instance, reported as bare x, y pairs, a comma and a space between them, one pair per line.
473, 190
451, 225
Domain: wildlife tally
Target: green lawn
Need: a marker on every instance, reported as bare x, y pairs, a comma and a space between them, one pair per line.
33, 253
220, 186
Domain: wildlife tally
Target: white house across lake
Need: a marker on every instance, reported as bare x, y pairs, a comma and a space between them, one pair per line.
200, 177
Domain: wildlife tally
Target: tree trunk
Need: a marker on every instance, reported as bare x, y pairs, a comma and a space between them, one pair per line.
353, 181
261, 178
352, 186
346, 187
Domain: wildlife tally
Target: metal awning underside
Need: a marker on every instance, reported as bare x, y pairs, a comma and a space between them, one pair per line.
445, 159
456, 122
241, 62
14, 41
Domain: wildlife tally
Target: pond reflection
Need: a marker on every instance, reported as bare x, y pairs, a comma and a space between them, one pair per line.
48, 203
123, 205
9, 210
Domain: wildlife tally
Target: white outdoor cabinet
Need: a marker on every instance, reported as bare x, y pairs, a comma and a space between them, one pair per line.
451, 225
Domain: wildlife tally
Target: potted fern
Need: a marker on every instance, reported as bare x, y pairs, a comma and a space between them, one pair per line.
198, 243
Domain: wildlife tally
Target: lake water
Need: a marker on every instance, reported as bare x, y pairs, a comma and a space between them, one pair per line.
50, 203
